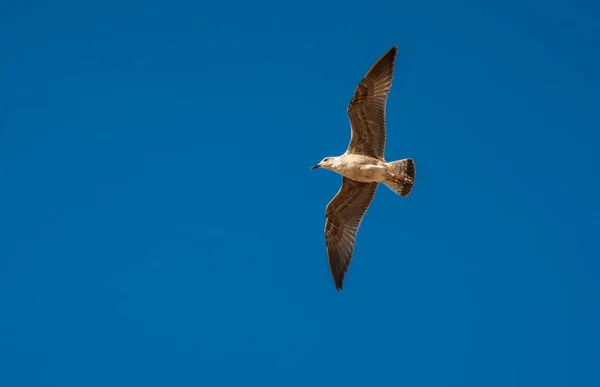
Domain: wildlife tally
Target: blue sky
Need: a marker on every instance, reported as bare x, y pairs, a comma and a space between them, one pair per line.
160, 224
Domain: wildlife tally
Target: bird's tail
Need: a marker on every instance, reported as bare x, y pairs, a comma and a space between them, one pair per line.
401, 176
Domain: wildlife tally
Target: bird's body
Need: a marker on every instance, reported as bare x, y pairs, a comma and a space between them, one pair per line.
362, 166
364, 169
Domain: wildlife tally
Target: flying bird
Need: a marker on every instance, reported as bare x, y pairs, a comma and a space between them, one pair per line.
362, 166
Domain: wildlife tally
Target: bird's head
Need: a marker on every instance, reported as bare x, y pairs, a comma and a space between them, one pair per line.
326, 163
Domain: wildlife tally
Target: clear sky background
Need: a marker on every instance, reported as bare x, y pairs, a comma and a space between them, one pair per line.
160, 224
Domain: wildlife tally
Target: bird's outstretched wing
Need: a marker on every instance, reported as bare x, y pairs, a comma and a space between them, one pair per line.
367, 108
343, 216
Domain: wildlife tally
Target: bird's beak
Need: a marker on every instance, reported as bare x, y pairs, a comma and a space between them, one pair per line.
316, 166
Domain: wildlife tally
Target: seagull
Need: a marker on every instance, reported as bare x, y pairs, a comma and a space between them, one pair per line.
362, 166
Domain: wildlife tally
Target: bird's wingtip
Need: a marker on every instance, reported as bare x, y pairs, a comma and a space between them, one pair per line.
338, 282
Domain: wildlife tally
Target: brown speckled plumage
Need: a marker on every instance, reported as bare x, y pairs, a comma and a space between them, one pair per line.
367, 108
343, 216
363, 166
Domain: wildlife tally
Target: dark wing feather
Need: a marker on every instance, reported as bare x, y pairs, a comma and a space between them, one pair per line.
367, 108
343, 216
